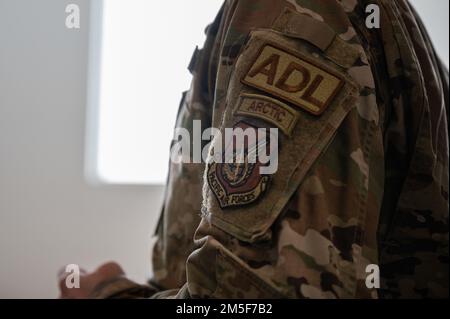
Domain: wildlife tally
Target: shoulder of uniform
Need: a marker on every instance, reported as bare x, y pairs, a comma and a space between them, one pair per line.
318, 33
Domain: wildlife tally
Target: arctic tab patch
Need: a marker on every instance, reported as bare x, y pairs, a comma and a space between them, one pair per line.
268, 109
293, 78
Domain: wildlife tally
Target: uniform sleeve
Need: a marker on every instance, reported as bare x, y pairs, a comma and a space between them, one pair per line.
306, 229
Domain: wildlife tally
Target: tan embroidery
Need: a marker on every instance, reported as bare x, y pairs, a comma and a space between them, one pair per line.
268, 109
293, 78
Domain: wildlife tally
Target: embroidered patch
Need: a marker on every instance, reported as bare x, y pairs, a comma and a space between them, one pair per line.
294, 79
239, 182
268, 109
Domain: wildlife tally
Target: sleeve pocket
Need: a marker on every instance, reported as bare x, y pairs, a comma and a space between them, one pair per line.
299, 150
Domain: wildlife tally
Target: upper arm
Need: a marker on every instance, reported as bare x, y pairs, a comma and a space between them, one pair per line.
308, 229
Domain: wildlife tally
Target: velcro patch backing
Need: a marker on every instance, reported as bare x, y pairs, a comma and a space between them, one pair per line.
268, 109
293, 78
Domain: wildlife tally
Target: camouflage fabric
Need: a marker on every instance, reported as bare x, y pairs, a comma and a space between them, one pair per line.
365, 182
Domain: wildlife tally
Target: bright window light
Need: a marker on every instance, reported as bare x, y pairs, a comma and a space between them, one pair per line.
145, 49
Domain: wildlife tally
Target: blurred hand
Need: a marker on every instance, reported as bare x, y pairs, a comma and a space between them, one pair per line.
88, 281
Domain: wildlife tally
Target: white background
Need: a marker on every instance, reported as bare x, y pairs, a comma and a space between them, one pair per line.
49, 215
434, 14
145, 49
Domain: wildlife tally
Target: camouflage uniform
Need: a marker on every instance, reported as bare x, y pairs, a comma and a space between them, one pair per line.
363, 180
